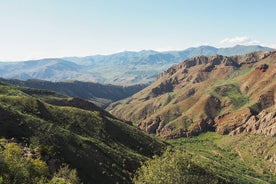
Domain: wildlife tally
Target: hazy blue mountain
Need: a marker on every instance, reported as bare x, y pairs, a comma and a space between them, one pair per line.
120, 68
48, 69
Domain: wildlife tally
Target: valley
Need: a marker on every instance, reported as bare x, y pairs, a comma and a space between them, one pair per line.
207, 119
244, 158
100, 94
137, 92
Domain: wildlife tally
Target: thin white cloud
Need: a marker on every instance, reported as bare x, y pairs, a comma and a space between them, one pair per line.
235, 40
242, 40
238, 40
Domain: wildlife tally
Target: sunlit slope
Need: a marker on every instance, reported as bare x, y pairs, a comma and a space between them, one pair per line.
206, 93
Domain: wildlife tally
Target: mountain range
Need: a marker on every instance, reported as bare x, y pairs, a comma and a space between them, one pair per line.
229, 95
124, 68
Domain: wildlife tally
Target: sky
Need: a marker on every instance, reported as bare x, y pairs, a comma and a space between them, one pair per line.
32, 29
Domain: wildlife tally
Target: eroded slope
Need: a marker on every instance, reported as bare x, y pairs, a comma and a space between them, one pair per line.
205, 93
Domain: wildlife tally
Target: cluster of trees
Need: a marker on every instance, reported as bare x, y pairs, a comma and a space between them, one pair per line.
173, 167
19, 169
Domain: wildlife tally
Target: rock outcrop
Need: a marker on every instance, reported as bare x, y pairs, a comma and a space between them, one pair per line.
264, 123
262, 67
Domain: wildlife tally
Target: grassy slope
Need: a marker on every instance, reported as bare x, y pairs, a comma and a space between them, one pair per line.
102, 148
241, 158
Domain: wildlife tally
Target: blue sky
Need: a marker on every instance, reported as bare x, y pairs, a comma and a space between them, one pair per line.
32, 29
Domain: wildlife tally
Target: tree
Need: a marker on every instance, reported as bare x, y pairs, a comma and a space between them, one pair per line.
17, 172
20, 169
19, 165
65, 175
173, 167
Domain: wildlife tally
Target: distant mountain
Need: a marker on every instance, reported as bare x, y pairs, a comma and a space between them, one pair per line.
229, 95
121, 68
100, 94
48, 69
102, 148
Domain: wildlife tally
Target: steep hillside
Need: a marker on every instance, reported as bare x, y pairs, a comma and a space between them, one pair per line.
216, 93
124, 68
100, 147
100, 94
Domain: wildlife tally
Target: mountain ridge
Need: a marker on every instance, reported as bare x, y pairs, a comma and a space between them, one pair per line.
204, 94
100, 94
125, 68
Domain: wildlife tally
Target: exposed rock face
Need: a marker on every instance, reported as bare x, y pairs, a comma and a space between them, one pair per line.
151, 126
264, 123
230, 121
158, 127
262, 67
212, 106
190, 92
203, 126
164, 87
267, 100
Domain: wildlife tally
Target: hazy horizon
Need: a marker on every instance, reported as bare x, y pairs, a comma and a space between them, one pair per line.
106, 54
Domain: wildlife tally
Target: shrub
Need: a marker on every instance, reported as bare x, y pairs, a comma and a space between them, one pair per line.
173, 167
15, 168
66, 175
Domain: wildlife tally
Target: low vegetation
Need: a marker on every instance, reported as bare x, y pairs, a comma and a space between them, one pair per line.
22, 165
100, 147
174, 166
236, 159
213, 158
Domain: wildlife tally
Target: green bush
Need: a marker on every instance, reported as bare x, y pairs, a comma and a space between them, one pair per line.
66, 175
173, 167
15, 168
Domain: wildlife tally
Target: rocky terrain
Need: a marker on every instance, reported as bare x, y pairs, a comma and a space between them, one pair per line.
217, 93
264, 123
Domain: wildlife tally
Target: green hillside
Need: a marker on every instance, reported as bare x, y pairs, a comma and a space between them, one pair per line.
212, 158
99, 94
241, 158
100, 147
